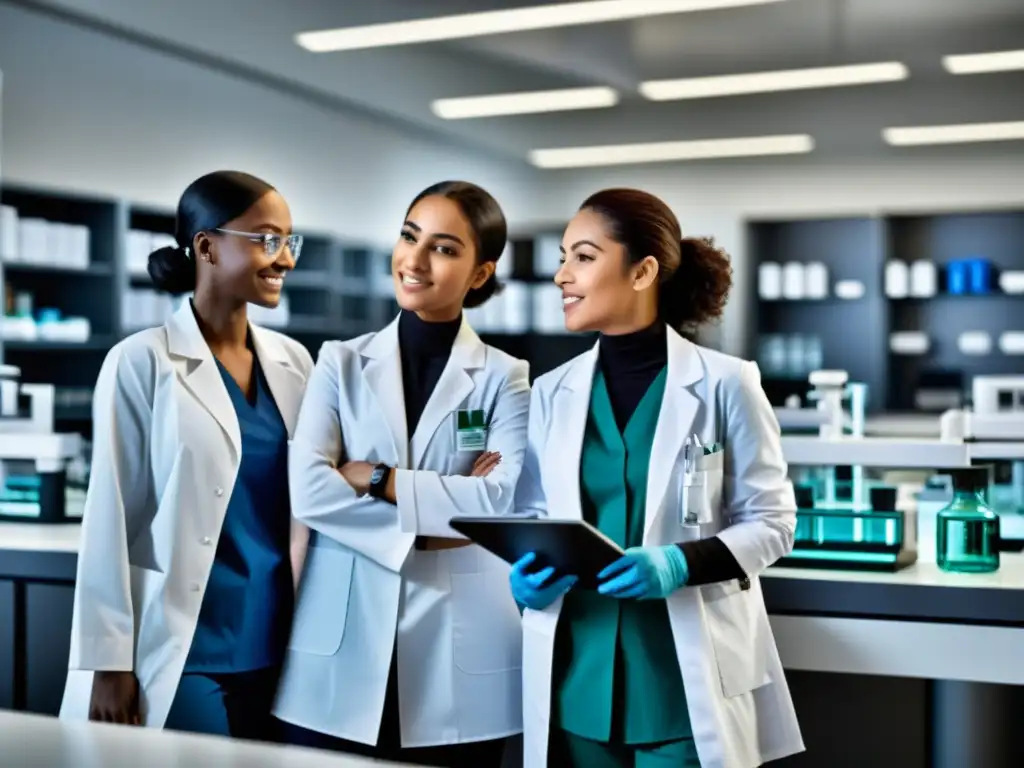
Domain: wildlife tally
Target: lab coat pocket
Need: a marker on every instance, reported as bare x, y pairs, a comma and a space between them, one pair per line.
486, 626
321, 609
738, 628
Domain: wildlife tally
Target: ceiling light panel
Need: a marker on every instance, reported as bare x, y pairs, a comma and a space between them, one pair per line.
953, 134
563, 100
503, 22
671, 151
982, 63
765, 82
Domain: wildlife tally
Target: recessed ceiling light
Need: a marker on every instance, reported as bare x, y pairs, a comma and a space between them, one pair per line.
764, 82
670, 151
563, 100
502, 22
953, 134
979, 63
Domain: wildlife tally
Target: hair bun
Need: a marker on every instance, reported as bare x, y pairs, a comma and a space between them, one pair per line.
172, 270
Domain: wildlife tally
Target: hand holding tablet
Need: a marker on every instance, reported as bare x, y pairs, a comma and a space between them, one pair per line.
567, 547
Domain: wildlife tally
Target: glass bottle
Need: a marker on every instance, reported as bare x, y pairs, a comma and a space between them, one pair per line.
967, 529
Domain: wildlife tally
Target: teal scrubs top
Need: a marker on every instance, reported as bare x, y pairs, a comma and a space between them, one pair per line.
617, 676
246, 612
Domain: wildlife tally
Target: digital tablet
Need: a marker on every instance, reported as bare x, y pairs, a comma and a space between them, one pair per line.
571, 547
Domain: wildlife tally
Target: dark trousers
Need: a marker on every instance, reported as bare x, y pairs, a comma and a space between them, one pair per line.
237, 704
481, 754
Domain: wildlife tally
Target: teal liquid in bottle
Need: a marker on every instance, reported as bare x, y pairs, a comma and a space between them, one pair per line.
967, 530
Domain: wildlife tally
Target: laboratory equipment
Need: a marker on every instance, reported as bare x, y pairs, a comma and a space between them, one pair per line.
33, 458
1012, 343
849, 290
792, 280
1011, 282
974, 343
956, 277
769, 280
865, 527
992, 430
980, 276
897, 279
815, 280
923, 279
967, 529
908, 343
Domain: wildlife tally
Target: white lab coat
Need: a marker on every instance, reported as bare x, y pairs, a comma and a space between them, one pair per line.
459, 637
739, 703
165, 456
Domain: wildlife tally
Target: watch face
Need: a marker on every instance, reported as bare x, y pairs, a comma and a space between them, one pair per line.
377, 475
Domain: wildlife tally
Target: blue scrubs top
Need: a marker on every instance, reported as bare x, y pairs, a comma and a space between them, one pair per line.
245, 617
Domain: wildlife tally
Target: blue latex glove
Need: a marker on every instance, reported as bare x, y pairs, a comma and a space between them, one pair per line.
645, 573
530, 590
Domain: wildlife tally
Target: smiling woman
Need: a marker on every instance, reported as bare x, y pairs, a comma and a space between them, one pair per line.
453, 235
188, 550
400, 431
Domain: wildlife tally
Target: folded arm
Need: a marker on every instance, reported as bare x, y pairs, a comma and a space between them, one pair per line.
103, 623
427, 500
320, 497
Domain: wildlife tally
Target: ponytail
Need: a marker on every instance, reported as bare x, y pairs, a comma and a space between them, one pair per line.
697, 291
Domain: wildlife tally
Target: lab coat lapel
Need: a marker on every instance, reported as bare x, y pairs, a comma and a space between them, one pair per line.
675, 422
571, 407
285, 382
198, 372
383, 373
454, 385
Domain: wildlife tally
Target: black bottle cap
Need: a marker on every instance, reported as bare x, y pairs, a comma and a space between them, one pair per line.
883, 498
804, 497
976, 478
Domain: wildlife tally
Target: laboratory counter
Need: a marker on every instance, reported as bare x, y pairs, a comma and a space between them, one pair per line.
34, 740
862, 650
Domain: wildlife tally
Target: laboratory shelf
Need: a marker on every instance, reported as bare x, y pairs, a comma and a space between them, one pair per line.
855, 334
888, 452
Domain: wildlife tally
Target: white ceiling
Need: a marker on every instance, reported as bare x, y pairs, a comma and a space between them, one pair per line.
256, 37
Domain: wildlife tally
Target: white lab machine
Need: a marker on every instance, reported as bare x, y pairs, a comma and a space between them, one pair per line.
992, 430
33, 457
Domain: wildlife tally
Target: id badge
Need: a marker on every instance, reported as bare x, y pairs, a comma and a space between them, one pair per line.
470, 431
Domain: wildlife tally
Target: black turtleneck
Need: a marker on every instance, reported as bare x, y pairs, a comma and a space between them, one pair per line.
630, 364
424, 348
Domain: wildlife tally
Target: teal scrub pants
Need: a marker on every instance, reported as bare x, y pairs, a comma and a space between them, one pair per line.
569, 751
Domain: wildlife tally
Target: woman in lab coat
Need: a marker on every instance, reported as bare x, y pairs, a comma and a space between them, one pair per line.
671, 661
406, 644
185, 576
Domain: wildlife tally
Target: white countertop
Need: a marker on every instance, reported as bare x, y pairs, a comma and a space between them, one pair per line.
30, 740
1009, 576
31, 537
40, 537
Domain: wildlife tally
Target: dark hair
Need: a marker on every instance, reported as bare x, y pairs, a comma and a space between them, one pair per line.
209, 202
487, 222
695, 276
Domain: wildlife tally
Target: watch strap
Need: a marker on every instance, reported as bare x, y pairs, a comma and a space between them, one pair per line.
379, 480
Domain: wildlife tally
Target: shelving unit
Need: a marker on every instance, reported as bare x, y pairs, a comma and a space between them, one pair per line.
338, 290
851, 332
856, 333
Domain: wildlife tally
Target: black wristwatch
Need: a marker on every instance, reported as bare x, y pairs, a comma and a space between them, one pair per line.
379, 480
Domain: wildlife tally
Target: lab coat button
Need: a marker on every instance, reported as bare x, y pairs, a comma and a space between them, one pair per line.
194, 586
218, 491
207, 541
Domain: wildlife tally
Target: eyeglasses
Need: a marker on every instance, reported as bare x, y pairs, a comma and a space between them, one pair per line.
272, 244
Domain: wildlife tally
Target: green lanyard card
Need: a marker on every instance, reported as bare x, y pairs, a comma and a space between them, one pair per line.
470, 431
